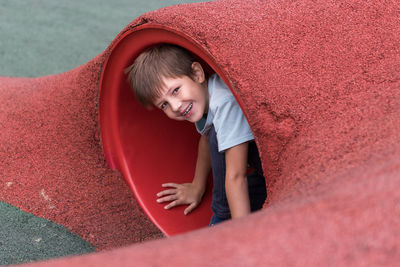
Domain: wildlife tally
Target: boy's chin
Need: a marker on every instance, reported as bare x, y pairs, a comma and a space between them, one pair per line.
187, 119
195, 119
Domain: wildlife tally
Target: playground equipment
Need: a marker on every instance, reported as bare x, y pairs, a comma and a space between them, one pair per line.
319, 84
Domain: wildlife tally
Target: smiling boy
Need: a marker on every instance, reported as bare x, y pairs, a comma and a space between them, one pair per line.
168, 77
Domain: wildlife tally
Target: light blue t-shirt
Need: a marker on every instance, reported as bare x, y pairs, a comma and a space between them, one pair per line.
225, 114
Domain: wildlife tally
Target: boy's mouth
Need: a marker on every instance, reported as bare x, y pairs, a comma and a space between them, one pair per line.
188, 109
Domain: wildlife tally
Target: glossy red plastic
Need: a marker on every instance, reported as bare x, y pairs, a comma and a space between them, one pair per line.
147, 147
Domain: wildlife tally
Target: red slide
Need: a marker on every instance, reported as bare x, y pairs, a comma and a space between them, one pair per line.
319, 84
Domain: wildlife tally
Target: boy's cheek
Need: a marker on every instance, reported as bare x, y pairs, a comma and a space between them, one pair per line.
171, 115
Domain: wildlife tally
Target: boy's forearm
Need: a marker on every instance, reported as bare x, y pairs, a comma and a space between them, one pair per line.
237, 195
203, 164
236, 188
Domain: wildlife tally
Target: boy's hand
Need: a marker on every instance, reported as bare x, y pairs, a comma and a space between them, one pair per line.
181, 194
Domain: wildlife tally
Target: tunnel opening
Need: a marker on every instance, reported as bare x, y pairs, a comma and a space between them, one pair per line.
146, 147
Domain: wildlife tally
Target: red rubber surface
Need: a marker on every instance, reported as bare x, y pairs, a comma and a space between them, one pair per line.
319, 83
52, 163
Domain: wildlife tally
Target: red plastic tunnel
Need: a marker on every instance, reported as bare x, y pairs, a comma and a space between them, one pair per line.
319, 84
144, 145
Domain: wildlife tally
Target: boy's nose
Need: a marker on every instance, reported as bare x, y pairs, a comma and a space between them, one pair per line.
176, 105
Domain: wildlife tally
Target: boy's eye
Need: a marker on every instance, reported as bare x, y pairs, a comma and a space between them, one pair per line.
175, 90
163, 105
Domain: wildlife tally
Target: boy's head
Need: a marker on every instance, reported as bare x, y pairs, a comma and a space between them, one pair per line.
168, 77
146, 74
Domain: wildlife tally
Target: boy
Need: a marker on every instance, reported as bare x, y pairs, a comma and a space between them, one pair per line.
168, 77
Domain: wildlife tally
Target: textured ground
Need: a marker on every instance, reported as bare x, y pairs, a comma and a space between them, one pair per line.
319, 83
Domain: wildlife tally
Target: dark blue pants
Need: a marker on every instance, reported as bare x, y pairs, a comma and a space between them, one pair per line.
255, 180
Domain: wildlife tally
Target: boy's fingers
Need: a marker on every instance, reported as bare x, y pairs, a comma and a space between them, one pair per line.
167, 198
172, 204
170, 185
190, 208
166, 192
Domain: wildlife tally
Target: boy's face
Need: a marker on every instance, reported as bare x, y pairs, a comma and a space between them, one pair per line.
184, 98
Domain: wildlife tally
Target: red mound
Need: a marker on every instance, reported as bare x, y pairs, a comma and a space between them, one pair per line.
52, 163
319, 83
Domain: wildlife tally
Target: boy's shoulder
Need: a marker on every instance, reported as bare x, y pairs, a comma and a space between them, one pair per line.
219, 91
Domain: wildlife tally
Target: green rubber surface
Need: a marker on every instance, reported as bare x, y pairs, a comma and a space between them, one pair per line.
26, 238
43, 37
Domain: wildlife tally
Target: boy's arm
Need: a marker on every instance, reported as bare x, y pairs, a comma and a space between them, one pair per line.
203, 164
190, 193
236, 187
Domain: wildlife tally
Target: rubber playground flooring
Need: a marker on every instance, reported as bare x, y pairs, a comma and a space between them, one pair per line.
45, 37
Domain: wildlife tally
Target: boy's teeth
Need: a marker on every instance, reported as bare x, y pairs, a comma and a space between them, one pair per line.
188, 109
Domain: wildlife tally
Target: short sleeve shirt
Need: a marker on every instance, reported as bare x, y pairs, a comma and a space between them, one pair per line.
226, 115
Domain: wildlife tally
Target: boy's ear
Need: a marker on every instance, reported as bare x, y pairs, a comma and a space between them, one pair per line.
198, 72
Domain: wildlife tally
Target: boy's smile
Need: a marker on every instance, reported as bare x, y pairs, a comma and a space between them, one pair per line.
183, 98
